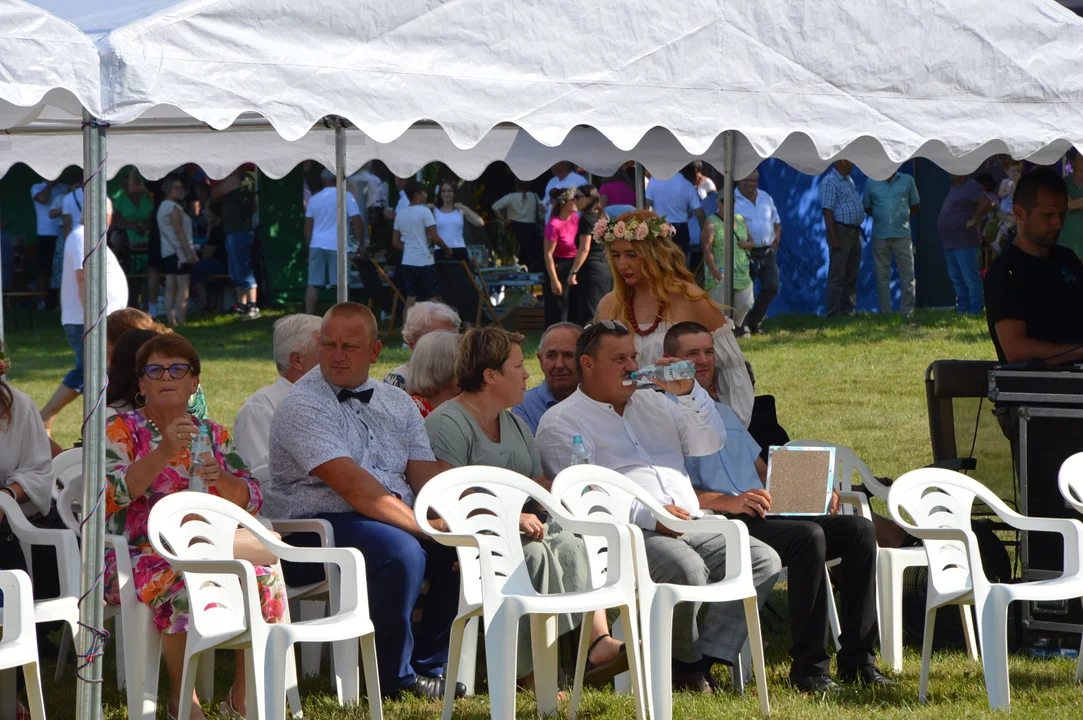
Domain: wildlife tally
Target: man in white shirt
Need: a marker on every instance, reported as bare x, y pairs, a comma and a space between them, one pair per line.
49, 227
563, 177
296, 352
321, 237
646, 436
677, 200
765, 232
72, 294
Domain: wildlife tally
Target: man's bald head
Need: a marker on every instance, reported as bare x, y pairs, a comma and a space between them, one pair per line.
348, 344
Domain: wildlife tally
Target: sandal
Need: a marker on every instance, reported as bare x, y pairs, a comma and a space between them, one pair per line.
596, 675
226, 709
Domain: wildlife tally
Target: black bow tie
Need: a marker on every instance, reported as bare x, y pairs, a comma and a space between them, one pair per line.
362, 395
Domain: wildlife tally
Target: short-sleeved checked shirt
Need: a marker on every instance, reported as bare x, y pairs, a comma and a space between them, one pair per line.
839, 195
311, 427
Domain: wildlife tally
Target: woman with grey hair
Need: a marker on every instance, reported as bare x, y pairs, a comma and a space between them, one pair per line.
421, 319
432, 370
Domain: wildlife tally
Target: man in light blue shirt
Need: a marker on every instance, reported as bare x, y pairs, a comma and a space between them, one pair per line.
556, 353
765, 231
891, 202
843, 215
730, 482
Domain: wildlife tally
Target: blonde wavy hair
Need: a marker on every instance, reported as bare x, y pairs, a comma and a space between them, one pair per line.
664, 268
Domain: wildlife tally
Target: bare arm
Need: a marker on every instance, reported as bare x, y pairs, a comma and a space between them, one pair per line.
176, 219
66, 225
435, 239
472, 217
778, 236
80, 282
419, 472
309, 223
396, 240
701, 216
548, 247
1075, 203
1017, 347
915, 209
706, 241
231, 183
43, 196
358, 228
984, 206
366, 495
581, 252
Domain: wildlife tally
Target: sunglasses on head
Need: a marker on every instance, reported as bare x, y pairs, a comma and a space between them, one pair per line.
156, 372
608, 324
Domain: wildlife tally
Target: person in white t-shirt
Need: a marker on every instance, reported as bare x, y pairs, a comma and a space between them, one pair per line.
178, 253
563, 177
450, 215
72, 293
321, 237
415, 234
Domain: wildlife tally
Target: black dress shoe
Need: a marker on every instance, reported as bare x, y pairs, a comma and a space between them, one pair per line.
814, 684
429, 688
697, 682
866, 675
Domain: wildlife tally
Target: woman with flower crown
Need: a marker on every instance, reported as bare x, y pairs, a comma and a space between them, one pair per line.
653, 290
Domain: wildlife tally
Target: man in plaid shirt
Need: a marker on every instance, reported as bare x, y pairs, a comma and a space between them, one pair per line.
843, 213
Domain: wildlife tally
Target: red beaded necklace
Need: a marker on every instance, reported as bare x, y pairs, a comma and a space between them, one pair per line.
632, 317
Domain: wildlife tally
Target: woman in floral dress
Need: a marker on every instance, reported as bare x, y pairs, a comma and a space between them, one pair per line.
147, 458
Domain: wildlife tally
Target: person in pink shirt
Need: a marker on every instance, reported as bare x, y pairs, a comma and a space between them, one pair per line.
619, 189
559, 250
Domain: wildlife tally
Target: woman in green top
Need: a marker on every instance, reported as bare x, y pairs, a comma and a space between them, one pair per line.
713, 241
132, 212
477, 428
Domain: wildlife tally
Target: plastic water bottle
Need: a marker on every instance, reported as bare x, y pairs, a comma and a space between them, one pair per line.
580, 454
683, 370
202, 452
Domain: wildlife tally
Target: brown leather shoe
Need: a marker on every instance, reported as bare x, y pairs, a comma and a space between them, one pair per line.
696, 682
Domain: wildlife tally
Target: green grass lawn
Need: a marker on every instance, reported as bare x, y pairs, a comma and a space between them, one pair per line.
857, 382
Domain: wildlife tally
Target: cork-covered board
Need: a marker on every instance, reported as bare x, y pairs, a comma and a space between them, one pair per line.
800, 480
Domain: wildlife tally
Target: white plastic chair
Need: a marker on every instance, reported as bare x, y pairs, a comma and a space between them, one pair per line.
1070, 480
600, 494
891, 563
195, 533
19, 641
138, 642
312, 601
481, 506
65, 607
940, 502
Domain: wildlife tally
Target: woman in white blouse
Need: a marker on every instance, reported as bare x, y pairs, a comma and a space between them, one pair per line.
26, 462
178, 255
449, 214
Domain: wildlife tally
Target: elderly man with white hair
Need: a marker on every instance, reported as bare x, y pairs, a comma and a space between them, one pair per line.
296, 351
72, 296
421, 319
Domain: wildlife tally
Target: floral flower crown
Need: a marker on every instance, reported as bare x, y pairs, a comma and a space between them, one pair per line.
652, 228
5, 364
567, 196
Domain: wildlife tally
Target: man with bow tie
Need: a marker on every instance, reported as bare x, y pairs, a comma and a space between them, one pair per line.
353, 451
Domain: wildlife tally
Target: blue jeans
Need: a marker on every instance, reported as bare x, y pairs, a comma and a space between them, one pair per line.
74, 378
239, 251
965, 276
396, 564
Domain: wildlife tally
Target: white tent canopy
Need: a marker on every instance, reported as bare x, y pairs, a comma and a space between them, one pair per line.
589, 81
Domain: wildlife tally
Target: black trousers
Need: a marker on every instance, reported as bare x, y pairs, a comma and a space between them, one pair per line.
558, 306
593, 281
763, 265
805, 544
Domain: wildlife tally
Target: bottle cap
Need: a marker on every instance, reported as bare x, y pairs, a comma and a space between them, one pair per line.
577, 439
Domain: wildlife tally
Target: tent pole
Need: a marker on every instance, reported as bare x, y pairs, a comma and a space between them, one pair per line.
340, 199
728, 147
91, 635
641, 200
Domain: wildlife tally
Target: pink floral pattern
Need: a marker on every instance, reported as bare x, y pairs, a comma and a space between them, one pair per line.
130, 437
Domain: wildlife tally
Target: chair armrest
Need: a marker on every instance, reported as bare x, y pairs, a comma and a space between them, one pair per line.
322, 528
859, 500
617, 535
738, 546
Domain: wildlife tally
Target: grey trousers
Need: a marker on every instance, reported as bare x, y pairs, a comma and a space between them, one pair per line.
842, 272
714, 629
903, 250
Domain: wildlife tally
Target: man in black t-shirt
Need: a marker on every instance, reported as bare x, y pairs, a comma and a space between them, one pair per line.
1034, 289
1034, 301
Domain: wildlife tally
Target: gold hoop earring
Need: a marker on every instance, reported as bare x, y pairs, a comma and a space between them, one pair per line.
138, 402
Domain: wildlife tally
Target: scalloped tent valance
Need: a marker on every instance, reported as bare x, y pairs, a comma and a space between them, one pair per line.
423, 80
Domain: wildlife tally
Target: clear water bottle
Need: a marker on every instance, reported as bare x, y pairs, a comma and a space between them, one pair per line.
202, 454
580, 454
683, 370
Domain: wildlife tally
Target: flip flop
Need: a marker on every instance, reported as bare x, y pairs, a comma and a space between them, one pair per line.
601, 674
